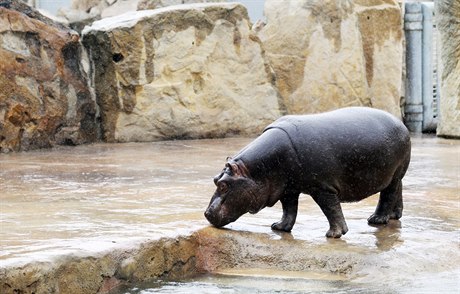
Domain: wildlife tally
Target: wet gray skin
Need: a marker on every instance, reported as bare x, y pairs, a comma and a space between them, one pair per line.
340, 156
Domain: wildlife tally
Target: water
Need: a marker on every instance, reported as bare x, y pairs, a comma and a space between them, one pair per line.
91, 198
242, 284
85, 200
238, 284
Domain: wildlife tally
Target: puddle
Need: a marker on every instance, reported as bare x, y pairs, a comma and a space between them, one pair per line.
288, 283
239, 284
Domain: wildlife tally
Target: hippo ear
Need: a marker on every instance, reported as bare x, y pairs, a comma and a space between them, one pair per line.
238, 169
234, 168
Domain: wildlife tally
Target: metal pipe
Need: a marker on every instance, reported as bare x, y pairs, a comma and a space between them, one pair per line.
414, 103
429, 122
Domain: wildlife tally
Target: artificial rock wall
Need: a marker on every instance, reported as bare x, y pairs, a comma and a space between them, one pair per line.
331, 54
199, 71
45, 98
193, 71
448, 24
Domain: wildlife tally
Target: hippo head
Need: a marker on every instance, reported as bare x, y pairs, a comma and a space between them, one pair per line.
235, 195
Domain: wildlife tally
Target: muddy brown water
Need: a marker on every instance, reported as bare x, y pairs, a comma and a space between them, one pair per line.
84, 200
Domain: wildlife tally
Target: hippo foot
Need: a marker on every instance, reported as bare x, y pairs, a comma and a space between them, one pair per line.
337, 232
282, 226
397, 214
378, 219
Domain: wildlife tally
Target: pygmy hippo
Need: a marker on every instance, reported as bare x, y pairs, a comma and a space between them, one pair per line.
344, 155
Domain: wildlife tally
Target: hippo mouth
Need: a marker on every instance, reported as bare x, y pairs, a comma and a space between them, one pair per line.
216, 219
218, 215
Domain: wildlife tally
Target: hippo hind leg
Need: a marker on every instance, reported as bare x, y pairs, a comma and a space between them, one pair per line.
390, 204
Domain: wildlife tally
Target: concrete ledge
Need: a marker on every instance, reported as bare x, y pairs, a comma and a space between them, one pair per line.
164, 258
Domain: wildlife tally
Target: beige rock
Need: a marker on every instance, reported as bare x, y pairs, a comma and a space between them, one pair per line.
155, 4
190, 71
97, 9
87, 5
331, 58
380, 24
119, 7
102, 8
45, 97
448, 23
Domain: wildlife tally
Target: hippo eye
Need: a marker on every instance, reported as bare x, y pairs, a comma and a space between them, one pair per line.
222, 187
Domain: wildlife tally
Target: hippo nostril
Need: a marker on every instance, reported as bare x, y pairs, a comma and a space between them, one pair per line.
207, 214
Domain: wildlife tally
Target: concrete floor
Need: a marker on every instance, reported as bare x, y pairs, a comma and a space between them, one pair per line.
84, 200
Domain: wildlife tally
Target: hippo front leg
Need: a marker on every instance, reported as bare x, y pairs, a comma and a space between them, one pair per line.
330, 205
289, 203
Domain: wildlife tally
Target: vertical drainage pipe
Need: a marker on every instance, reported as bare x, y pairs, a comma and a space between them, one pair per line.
429, 123
413, 109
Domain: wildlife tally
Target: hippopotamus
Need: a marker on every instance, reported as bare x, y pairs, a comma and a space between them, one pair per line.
339, 156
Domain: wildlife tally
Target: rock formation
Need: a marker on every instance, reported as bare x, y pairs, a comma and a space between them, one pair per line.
331, 54
380, 25
45, 98
448, 23
155, 4
84, 12
194, 71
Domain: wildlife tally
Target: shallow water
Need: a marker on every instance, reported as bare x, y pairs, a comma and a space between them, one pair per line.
284, 283
89, 199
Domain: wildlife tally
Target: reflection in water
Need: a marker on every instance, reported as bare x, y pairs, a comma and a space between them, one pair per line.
388, 236
247, 283
286, 236
337, 242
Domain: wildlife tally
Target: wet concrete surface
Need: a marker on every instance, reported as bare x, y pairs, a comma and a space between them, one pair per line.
84, 200
92, 198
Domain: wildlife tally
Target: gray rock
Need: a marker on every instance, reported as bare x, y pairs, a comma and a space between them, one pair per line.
448, 23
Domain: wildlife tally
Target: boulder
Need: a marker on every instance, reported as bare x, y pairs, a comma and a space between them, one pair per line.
331, 54
45, 97
77, 19
190, 71
155, 4
448, 24
84, 12
380, 25
119, 7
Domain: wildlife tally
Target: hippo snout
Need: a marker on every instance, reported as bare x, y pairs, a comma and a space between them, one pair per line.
212, 212
214, 218
217, 214
209, 216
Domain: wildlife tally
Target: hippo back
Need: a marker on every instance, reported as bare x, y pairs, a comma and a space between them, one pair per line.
347, 148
